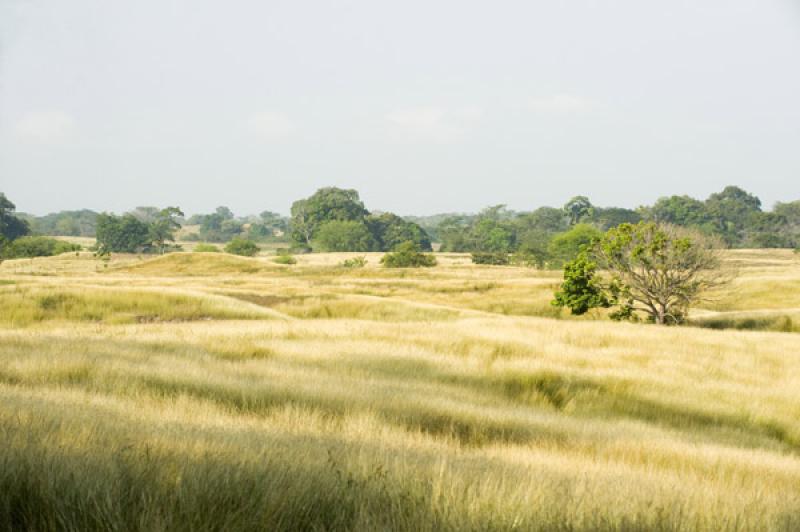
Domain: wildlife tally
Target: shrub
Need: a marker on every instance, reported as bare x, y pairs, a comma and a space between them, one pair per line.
37, 246
496, 259
206, 248
355, 262
407, 256
240, 246
285, 259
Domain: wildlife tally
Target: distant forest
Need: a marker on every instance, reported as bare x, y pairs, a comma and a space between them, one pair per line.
334, 219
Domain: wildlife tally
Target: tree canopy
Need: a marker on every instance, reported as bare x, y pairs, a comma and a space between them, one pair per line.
654, 270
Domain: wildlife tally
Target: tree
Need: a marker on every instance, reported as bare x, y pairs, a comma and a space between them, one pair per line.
581, 290
730, 211
164, 226
219, 226
678, 210
122, 234
11, 227
577, 209
543, 219
325, 205
566, 246
344, 235
656, 270
240, 246
224, 213
453, 233
389, 230
606, 218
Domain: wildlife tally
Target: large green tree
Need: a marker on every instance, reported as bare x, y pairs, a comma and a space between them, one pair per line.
344, 235
122, 234
731, 212
325, 205
654, 270
11, 227
390, 230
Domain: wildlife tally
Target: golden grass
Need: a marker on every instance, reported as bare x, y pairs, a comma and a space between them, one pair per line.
378, 399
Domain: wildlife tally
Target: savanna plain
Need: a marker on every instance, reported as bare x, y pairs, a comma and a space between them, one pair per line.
204, 391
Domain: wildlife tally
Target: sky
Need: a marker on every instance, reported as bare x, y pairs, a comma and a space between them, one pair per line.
422, 106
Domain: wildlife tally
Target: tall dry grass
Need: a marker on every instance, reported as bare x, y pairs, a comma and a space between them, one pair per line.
311, 398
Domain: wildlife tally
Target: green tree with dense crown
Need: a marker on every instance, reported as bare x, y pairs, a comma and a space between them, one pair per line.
122, 234
344, 235
652, 269
566, 246
678, 210
325, 205
577, 209
731, 211
11, 227
389, 230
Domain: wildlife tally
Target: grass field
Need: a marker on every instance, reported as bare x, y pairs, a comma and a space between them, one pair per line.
203, 391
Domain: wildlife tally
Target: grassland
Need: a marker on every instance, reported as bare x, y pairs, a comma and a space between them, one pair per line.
211, 392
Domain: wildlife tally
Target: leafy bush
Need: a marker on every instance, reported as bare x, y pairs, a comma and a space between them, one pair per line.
240, 246
285, 259
206, 248
37, 246
496, 259
355, 262
407, 256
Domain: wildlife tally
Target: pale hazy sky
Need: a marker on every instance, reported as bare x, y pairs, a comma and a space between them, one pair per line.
423, 106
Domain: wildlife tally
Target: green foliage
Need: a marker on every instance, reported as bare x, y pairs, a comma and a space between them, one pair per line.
325, 205
656, 270
606, 218
219, 226
492, 231
679, 210
566, 246
344, 235
240, 246
163, 226
406, 255
37, 246
731, 211
577, 209
355, 262
496, 259
389, 230
11, 227
581, 290
65, 223
206, 248
122, 234
334, 219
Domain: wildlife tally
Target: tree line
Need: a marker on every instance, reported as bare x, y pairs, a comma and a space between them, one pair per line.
335, 219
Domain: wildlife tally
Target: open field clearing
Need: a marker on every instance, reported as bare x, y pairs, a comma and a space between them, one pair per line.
203, 391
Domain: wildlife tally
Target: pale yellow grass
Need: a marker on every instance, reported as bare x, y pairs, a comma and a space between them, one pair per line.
390, 399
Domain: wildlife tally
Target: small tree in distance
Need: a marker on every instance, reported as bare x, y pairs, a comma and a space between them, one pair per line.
655, 270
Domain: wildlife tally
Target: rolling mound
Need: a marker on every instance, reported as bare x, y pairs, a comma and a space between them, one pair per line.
199, 264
